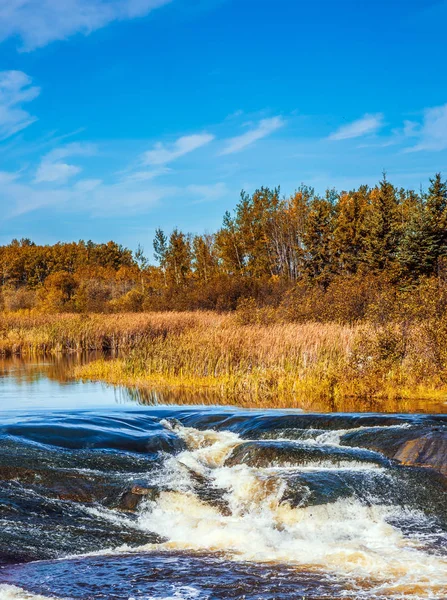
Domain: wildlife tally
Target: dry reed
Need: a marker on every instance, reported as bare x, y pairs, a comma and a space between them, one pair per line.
267, 363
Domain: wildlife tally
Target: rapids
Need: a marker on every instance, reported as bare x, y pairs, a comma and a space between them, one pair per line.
156, 503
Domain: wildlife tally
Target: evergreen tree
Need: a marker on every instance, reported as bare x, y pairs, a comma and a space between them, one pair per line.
318, 239
424, 240
436, 221
414, 253
383, 227
160, 251
350, 231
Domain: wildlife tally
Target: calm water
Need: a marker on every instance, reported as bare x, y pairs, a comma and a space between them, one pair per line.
109, 494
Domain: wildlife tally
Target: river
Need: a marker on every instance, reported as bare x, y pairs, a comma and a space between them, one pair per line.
105, 494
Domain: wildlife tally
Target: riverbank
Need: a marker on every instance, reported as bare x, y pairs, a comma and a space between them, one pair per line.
272, 363
36, 334
282, 363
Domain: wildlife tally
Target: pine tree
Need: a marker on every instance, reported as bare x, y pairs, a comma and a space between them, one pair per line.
436, 221
160, 251
424, 241
415, 250
350, 231
318, 239
383, 227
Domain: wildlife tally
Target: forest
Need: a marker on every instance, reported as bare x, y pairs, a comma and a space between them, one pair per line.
343, 256
293, 298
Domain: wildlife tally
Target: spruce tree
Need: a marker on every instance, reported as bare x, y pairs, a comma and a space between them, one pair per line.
318, 239
383, 227
436, 221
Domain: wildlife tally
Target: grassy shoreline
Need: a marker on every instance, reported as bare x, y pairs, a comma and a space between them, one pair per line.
277, 363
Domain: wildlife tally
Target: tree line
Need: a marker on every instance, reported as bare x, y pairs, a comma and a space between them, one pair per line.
272, 250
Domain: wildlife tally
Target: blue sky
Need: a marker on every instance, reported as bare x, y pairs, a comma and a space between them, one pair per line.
119, 116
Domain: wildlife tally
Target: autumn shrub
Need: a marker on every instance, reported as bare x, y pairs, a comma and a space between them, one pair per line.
17, 299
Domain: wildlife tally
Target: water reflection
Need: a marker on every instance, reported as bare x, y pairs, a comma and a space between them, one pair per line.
34, 380
151, 397
57, 368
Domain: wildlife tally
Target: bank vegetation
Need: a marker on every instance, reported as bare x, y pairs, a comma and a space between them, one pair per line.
338, 295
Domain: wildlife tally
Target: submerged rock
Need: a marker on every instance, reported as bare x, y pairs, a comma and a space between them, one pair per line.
412, 447
429, 450
131, 499
264, 454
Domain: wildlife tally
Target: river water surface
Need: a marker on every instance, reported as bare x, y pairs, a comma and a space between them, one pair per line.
105, 497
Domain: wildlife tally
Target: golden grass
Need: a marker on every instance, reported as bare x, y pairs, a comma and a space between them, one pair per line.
281, 364
258, 361
36, 334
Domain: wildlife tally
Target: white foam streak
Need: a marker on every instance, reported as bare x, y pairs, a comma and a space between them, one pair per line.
11, 592
345, 537
184, 592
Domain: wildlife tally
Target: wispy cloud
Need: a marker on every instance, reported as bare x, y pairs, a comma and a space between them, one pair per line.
162, 154
15, 90
207, 193
432, 133
39, 22
7, 177
52, 168
264, 128
146, 174
52, 172
87, 196
366, 125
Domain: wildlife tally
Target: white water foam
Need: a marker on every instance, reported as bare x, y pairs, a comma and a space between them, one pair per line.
184, 592
344, 537
332, 437
11, 592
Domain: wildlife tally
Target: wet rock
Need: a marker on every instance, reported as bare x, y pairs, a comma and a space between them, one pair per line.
412, 447
64, 484
13, 473
293, 425
264, 454
416, 488
131, 499
429, 450
387, 441
35, 527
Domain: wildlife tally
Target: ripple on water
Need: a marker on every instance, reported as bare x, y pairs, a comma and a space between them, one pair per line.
221, 510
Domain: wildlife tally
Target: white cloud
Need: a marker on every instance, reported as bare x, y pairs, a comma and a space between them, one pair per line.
39, 22
146, 175
7, 177
432, 134
74, 149
264, 128
87, 185
52, 170
15, 90
87, 196
207, 193
364, 126
162, 155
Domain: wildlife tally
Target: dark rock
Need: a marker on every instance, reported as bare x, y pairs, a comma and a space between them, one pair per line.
131, 499
413, 447
263, 454
427, 451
